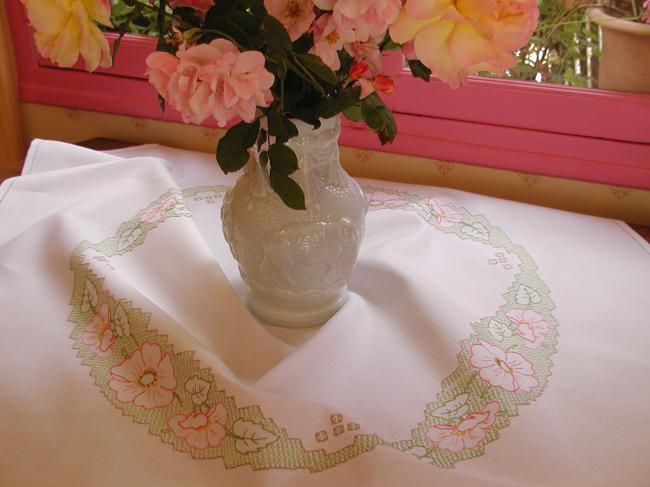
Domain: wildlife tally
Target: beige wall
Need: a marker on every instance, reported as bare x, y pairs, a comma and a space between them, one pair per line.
631, 205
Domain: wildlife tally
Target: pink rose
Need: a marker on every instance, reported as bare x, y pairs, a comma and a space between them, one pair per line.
328, 41
384, 84
296, 15
455, 39
366, 51
200, 5
161, 67
212, 79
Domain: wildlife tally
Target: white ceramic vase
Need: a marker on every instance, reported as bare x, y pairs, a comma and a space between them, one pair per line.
297, 263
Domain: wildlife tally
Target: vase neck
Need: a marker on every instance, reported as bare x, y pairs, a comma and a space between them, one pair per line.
317, 152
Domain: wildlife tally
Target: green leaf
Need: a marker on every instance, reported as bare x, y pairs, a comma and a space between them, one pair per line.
222, 8
354, 113
224, 25
232, 148
419, 70
317, 67
288, 190
379, 118
335, 104
281, 127
283, 159
257, 8
276, 36
307, 116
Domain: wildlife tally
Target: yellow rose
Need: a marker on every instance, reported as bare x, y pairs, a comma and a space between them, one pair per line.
66, 28
455, 38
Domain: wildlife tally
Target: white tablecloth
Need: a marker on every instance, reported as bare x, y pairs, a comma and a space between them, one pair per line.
485, 342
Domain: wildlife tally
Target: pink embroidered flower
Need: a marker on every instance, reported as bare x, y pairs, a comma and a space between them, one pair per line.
467, 434
156, 212
66, 29
200, 5
446, 215
146, 378
530, 326
456, 38
201, 430
296, 15
98, 334
508, 370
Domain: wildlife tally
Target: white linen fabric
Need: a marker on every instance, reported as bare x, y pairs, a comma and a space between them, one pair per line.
485, 342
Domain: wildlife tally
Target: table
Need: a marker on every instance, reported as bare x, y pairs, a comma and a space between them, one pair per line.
485, 342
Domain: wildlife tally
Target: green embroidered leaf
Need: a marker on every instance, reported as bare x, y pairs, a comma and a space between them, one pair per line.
198, 389
455, 408
526, 295
499, 331
476, 230
251, 437
128, 238
121, 321
417, 451
90, 297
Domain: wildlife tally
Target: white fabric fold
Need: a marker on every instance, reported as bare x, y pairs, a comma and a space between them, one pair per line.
504, 340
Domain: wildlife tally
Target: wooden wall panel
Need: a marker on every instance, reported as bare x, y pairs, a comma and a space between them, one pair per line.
12, 142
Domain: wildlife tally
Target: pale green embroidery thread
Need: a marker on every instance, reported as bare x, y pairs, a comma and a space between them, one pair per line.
250, 437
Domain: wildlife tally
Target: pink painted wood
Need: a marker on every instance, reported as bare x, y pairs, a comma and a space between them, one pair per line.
590, 135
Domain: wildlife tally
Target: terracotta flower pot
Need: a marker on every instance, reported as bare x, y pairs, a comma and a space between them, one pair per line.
625, 53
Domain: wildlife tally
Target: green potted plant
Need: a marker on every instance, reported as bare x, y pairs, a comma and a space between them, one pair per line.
625, 44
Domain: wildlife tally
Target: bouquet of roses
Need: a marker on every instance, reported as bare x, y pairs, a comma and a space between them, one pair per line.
274, 61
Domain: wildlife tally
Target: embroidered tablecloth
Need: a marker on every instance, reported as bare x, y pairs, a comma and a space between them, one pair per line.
485, 342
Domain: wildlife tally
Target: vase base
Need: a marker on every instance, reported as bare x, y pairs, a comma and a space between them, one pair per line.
272, 314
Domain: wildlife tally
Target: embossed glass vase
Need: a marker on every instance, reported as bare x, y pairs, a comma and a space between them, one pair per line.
297, 263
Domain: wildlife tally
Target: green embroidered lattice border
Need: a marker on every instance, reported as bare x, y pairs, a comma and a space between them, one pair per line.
140, 373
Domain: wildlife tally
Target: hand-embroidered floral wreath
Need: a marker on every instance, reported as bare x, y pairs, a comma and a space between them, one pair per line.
504, 364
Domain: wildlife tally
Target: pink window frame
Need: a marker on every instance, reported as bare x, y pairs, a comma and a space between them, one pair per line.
589, 135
